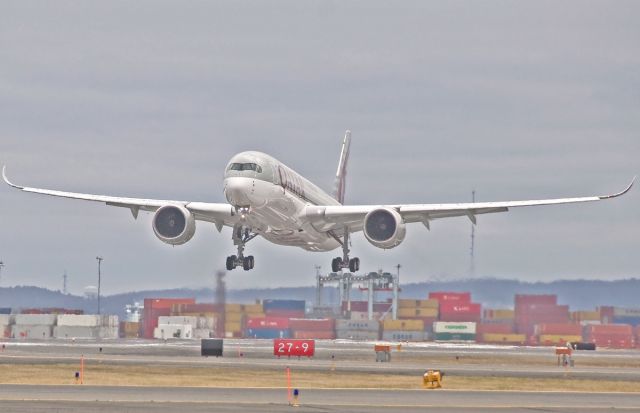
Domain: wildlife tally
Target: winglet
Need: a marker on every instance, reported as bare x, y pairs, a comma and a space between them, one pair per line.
341, 173
621, 192
4, 176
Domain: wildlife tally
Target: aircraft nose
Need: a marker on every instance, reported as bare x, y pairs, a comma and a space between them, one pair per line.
237, 191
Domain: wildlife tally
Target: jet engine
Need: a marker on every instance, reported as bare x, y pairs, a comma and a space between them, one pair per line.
174, 224
384, 228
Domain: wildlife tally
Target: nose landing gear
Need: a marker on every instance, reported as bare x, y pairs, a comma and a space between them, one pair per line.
241, 235
338, 263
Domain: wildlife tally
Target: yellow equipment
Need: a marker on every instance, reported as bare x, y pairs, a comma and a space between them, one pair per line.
432, 379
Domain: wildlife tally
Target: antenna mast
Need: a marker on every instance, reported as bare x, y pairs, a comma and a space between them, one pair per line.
472, 266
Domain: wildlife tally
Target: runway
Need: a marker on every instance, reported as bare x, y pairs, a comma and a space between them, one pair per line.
77, 398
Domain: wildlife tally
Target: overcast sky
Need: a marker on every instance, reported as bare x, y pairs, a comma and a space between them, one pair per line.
517, 100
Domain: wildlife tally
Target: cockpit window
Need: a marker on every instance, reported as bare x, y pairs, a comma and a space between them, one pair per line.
245, 167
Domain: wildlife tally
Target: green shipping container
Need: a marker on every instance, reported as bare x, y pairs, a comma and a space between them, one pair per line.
454, 337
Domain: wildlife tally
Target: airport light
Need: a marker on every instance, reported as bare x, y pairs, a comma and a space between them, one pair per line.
99, 259
1, 266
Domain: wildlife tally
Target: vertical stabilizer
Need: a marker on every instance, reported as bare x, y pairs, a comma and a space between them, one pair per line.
341, 173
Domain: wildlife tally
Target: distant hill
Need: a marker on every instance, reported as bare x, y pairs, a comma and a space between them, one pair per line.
495, 293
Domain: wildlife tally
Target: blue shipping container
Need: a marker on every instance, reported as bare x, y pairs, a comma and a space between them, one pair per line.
268, 333
5, 310
634, 321
283, 305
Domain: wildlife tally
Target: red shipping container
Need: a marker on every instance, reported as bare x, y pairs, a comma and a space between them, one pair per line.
526, 299
166, 302
610, 329
197, 308
460, 308
316, 334
312, 324
443, 296
559, 329
150, 319
276, 323
428, 321
606, 314
494, 328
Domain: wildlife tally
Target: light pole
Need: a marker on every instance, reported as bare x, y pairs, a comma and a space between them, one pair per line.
1, 266
99, 263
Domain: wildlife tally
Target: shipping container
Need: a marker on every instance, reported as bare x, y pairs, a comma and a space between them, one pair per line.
312, 324
23, 331
427, 321
626, 312
170, 331
268, 333
156, 307
405, 303
445, 327
129, 329
403, 325
633, 321
558, 328
403, 335
314, 335
417, 312
253, 308
497, 338
454, 336
360, 316
498, 314
83, 332
606, 314
203, 333
5, 310
272, 323
445, 296
233, 326
358, 325
623, 329
87, 320
578, 316
528, 299
200, 308
235, 317
285, 313
36, 319
500, 329
363, 306
359, 335
557, 339
233, 308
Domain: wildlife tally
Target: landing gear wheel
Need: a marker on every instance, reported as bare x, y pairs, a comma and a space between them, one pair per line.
336, 264
251, 261
354, 264
231, 262
247, 263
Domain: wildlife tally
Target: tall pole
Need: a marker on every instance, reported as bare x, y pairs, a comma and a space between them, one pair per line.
472, 265
99, 264
1, 266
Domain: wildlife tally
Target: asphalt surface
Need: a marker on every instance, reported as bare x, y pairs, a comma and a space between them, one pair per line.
412, 360
78, 398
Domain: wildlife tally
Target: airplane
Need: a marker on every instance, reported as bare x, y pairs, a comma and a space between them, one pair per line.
267, 198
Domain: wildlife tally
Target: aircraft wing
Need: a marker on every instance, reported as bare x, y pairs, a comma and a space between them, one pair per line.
219, 214
335, 218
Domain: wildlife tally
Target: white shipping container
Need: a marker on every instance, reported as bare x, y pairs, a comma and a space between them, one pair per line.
200, 333
402, 335
360, 335
626, 312
165, 331
364, 315
207, 323
31, 331
361, 325
36, 319
454, 327
82, 320
76, 331
178, 320
6, 319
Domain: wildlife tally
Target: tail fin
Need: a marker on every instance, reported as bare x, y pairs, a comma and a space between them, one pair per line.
341, 174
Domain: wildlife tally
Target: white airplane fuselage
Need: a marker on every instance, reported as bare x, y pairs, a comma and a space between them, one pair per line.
272, 198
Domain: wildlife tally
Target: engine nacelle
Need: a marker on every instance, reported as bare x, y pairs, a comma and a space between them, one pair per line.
174, 224
384, 228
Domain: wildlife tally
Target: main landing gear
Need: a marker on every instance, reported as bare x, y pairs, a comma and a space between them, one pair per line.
339, 263
241, 235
